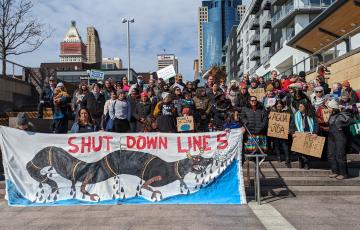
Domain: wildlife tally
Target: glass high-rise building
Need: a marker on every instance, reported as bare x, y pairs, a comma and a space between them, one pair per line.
222, 16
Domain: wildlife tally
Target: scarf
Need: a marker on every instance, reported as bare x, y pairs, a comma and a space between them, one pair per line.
299, 122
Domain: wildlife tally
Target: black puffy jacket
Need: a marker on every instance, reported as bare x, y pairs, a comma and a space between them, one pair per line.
255, 120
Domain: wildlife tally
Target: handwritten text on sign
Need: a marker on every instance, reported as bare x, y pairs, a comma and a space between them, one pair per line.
279, 125
308, 144
259, 93
185, 123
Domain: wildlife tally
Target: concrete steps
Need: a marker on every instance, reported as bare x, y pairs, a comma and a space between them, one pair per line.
308, 181
278, 180
268, 191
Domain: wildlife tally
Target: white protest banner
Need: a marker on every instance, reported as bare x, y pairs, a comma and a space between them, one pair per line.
166, 73
185, 123
122, 168
96, 74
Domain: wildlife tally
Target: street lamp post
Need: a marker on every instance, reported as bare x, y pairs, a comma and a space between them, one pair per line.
128, 21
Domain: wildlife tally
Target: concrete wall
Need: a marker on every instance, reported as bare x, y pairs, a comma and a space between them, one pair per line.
346, 69
15, 94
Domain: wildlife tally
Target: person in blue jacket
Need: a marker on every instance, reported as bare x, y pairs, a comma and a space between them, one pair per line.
84, 123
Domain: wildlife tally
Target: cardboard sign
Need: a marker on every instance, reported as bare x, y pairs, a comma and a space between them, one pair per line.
307, 144
259, 93
279, 125
326, 115
185, 123
166, 73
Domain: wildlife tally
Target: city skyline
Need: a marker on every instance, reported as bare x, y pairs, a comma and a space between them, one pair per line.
152, 32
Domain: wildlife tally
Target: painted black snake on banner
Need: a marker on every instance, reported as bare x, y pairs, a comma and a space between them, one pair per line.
154, 171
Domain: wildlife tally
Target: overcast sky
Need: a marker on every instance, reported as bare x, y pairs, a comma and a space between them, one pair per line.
159, 25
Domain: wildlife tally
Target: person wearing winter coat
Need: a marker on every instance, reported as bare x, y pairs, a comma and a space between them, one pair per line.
282, 145
187, 103
219, 110
270, 98
255, 118
243, 97
166, 114
305, 121
61, 110
78, 96
233, 93
120, 113
142, 112
337, 140
83, 123
202, 110
94, 101
133, 98
107, 122
319, 98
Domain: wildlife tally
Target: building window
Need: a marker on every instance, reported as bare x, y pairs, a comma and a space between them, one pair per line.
216, 4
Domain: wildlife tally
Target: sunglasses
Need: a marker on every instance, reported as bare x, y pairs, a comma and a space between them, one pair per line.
253, 100
318, 91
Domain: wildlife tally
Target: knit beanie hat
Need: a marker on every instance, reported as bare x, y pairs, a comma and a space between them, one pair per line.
22, 119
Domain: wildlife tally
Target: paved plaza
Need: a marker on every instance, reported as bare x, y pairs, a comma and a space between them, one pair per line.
316, 212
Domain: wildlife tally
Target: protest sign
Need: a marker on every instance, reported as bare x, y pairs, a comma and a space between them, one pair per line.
355, 128
166, 73
259, 93
307, 144
279, 125
96, 74
122, 168
185, 123
326, 115
271, 102
179, 86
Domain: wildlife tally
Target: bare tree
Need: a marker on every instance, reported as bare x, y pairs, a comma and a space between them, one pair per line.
20, 32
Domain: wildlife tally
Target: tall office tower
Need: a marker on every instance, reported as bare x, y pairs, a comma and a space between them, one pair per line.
203, 17
164, 60
222, 16
196, 69
93, 46
72, 48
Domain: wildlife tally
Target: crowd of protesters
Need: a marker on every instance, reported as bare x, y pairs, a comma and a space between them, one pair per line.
153, 107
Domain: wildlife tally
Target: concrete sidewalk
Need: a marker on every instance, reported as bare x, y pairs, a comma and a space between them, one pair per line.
129, 217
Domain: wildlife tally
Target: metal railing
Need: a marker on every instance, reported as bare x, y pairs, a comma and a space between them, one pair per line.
255, 38
296, 5
255, 54
254, 23
311, 62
